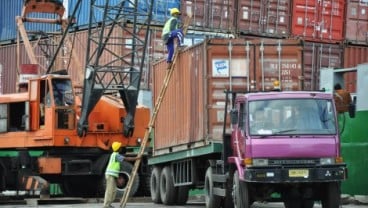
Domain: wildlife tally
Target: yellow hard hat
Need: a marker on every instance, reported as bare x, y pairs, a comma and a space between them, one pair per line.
116, 146
276, 83
174, 11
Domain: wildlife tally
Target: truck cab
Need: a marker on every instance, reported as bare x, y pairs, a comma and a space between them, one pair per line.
288, 144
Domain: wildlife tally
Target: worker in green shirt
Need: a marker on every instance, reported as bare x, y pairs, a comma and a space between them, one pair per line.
171, 31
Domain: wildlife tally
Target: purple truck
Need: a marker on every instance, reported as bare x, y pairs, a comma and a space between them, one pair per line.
274, 146
284, 146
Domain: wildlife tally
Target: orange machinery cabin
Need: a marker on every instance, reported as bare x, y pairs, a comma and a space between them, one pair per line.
47, 116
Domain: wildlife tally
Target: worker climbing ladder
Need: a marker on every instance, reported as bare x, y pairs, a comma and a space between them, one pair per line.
157, 106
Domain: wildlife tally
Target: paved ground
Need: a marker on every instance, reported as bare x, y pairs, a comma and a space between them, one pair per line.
140, 203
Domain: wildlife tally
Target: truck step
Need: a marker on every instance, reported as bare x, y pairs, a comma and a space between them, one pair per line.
219, 178
219, 191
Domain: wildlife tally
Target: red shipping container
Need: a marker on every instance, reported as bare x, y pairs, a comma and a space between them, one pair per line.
317, 56
197, 8
265, 18
221, 15
318, 20
357, 22
353, 56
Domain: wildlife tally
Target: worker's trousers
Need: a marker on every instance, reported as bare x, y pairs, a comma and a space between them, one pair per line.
170, 43
110, 192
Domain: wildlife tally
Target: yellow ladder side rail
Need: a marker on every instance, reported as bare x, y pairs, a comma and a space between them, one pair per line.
168, 76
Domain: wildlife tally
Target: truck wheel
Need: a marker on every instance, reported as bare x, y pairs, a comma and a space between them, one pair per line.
212, 200
241, 193
125, 173
331, 196
167, 189
155, 185
183, 194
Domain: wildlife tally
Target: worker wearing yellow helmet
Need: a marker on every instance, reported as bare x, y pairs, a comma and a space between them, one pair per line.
276, 85
112, 173
171, 31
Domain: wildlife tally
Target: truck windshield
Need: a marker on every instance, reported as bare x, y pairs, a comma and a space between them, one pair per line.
291, 117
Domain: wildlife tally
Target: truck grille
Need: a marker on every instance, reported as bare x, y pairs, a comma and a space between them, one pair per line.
293, 162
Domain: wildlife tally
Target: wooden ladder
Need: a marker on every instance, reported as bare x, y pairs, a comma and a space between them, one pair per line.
157, 106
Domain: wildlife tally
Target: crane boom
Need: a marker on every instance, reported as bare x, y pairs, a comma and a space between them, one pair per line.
115, 25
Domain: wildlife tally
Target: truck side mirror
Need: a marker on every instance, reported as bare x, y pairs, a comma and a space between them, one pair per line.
352, 110
234, 116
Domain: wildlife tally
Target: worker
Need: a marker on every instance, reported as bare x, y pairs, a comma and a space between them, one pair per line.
112, 173
276, 85
342, 99
170, 32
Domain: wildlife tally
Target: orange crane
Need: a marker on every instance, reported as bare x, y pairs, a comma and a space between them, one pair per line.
75, 134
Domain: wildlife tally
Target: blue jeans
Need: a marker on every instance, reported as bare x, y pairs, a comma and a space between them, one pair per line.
170, 42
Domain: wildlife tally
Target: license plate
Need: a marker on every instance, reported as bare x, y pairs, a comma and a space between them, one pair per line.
299, 173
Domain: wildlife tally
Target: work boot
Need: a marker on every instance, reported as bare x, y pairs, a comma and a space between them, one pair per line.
169, 64
181, 47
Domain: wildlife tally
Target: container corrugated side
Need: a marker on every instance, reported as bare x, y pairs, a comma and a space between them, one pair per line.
353, 56
182, 115
192, 112
357, 22
316, 20
9, 72
265, 18
221, 15
316, 56
160, 11
210, 15
197, 8
11, 9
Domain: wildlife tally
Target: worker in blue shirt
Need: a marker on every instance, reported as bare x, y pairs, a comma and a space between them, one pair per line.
171, 31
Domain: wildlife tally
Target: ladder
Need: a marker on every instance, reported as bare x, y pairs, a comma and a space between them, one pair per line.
157, 106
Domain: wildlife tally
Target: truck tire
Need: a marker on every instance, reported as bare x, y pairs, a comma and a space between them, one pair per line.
167, 189
182, 196
212, 200
155, 185
241, 192
331, 195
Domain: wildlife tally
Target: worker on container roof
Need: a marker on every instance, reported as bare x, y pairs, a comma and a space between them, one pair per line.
170, 32
112, 173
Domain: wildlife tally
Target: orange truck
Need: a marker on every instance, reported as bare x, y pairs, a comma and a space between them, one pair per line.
74, 134
45, 118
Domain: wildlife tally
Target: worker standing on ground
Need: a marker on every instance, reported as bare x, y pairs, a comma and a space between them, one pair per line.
170, 32
112, 173
342, 99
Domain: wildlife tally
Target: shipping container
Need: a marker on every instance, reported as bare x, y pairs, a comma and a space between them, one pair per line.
197, 8
204, 71
320, 21
160, 11
357, 22
210, 15
353, 56
316, 56
264, 18
9, 10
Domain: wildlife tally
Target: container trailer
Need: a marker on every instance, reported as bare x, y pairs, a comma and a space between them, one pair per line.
225, 127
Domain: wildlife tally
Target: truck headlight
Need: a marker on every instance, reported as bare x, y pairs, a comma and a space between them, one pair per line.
260, 162
327, 161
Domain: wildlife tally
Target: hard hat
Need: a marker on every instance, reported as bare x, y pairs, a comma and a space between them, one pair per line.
115, 146
174, 11
276, 83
